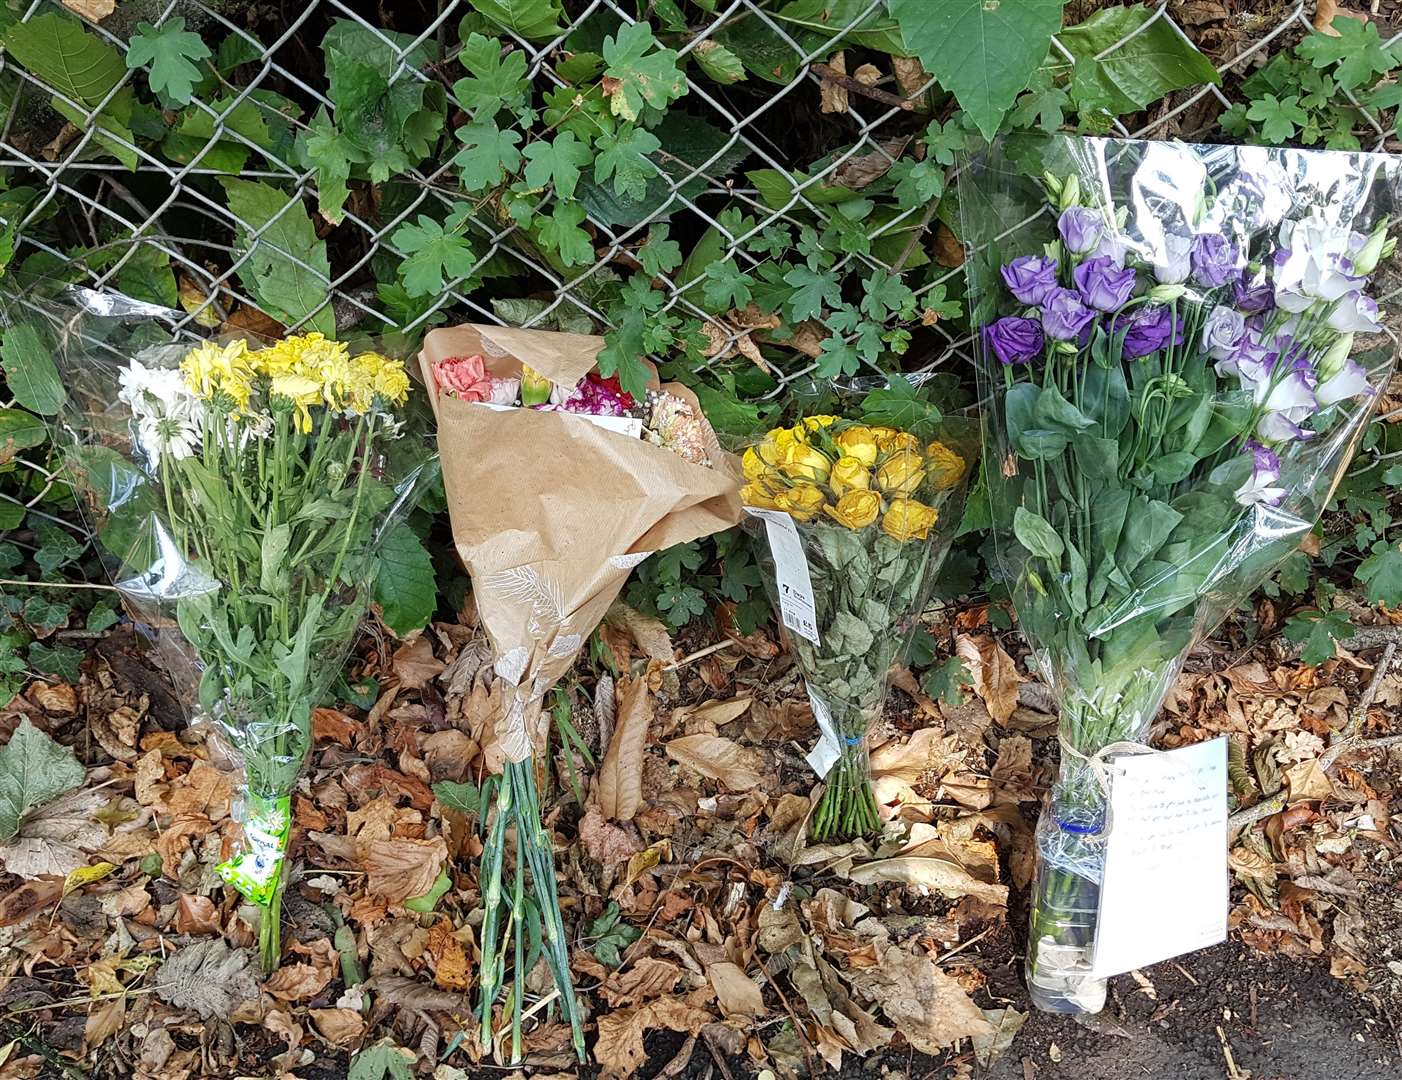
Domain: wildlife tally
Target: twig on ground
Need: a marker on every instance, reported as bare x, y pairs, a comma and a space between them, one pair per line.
1347, 743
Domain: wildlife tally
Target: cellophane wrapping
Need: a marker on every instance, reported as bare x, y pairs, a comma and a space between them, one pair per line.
1179, 349
874, 510
240, 532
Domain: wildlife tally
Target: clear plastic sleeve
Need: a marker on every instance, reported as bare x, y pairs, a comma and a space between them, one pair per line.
238, 521
857, 520
1179, 349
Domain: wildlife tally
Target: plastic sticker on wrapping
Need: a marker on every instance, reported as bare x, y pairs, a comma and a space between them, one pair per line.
254, 871
829, 747
796, 606
1168, 824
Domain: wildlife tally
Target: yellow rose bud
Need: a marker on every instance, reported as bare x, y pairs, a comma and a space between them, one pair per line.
907, 519
856, 509
901, 473
803, 462
858, 442
899, 440
849, 474
946, 468
813, 423
758, 495
753, 465
802, 501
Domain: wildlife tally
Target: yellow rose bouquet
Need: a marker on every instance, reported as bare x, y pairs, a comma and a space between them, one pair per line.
858, 516
239, 496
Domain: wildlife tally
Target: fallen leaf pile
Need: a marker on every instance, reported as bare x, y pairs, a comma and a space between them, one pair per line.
703, 922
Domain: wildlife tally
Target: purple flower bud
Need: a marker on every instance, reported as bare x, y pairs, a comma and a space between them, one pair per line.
1253, 297
1030, 278
1223, 331
1149, 331
1215, 260
1080, 228
1103, 285
1014, 340
1064, 316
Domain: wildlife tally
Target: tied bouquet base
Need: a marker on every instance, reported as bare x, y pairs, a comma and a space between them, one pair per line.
847, 807
256, 872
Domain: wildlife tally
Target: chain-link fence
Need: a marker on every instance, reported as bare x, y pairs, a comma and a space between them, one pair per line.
74, 175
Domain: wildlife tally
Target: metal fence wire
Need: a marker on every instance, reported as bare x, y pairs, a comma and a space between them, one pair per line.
74, 179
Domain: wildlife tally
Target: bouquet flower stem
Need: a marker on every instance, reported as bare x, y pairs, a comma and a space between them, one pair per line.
848, 806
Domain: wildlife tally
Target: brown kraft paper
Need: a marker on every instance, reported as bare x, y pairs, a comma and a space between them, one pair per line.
550, 513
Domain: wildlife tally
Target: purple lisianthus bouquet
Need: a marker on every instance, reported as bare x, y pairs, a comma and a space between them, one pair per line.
1180, 350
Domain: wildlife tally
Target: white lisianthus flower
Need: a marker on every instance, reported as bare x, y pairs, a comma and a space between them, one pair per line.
1348, 382
1263, 486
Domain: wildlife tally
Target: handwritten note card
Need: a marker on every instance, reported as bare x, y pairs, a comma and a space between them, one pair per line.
1165, 887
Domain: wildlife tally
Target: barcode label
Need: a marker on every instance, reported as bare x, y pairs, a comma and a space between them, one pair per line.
796, 605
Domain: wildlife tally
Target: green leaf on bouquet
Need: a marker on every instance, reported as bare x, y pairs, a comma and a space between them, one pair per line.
1148, 524
1055, 412
34, 770
983, 53
1381, 571
1098, 459
405, 586
1171, 468
1318, 631
1036, 534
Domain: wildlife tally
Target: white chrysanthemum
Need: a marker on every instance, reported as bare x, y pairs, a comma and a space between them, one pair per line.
172, 435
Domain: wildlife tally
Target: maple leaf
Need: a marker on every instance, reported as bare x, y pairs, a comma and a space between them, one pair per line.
557, 162
1357, 50
625, 158
494, 81
561, 232
640, 72
434, 254
488, 154
1279, 117
171, 52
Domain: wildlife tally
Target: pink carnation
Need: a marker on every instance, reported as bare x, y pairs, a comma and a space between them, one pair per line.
464, 377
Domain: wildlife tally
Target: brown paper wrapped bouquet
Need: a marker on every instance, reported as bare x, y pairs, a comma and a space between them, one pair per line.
558, 484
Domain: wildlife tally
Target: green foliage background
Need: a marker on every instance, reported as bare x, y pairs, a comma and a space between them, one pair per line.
756, 194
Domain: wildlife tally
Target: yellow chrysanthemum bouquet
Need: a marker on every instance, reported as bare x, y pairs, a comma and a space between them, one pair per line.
239, 495
858, 518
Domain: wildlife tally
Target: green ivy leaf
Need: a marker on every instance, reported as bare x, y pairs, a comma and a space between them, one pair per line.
1318, 631
725, 286
34, 770
1043, 105
488, 154
383, 1059
640, 72
286, 270
917, 182
434, 255
1278, 117
1381, 571
610, 934
812, 291
170, 51
624, 350
561, 232
405, 586
331, 154
558, 162
836, 356
983, 53
495, 82
534, 20
718, 62
624, 157
946, 681
1357, 49
30, 370
659, 254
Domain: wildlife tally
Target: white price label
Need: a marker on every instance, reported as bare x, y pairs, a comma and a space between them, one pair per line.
1168, 822
796, 605
829, 746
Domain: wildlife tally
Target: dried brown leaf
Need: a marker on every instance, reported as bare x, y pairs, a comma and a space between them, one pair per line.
737, 993
620, 783
339, 1027
648, 633
993, 673
718, 759
620, 1050
399, 869
208, 978
196, 915
927, 1006
104, 1020
605, 843
92, 10
947, 878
